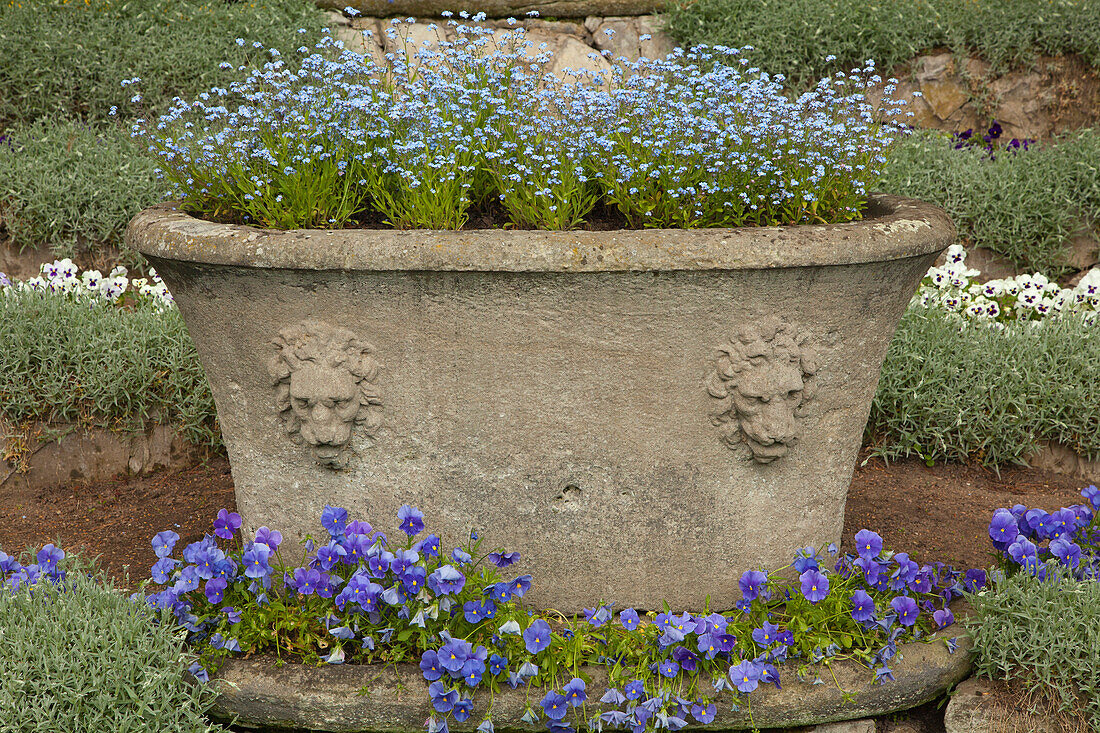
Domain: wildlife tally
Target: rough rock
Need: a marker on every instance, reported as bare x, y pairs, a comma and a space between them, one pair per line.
660, 44
572, 40
556, 27
335, 18
940, 85
1073, 280
902, 726
617, 36
1057, 94
325, 698
574, 54
1062, 459
25, 264
411, 36
991, 265
363, 36
1081, 250
972, 709
90, 454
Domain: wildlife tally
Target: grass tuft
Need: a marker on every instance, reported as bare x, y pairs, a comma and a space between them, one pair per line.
1042, 633
104, 366
1022, 205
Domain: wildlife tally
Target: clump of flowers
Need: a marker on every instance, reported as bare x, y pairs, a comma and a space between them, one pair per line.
479, 124
1029, 538
360, 596
64, 278
14, 575
991, 141
1024, 298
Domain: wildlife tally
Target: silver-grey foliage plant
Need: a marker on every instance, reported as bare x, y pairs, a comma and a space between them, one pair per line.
80, 657
1043, 634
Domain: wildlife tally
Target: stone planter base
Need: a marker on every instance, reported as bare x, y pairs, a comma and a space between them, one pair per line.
328, 698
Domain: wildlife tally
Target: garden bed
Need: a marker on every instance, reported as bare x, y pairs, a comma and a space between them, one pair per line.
935, 514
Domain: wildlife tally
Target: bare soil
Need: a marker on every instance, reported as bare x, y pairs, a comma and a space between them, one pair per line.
935, 514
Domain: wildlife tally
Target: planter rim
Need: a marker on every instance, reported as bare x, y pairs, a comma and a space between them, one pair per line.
894, 228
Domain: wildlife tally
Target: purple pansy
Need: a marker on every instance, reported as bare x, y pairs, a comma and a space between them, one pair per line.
752, 584
226, 524
814, 585
335, 520
215, 590
628, 617
554, 705
412, 520
255, 559
868, 544
745, 676
446, 580
906, 609
165, 542
863, 606
503, 559
270, 537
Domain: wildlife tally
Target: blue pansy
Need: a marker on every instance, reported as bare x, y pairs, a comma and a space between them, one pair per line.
537, 636
334, 520
628, 617
411, 520
554, 705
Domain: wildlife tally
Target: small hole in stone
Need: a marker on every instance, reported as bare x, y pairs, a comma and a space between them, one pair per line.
571, 492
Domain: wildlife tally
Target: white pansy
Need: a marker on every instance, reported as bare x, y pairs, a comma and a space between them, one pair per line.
1024, 298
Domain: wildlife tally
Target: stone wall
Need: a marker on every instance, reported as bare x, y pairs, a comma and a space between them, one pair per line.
1058, 94
571, 41
43, 456
574, 9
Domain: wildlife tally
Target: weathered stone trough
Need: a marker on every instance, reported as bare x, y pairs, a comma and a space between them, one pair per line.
643, 414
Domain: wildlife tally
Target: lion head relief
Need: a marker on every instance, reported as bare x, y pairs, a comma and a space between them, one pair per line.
324, 385
762, 381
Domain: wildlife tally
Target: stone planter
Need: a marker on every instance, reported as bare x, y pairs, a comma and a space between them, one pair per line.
642, 414
256, 693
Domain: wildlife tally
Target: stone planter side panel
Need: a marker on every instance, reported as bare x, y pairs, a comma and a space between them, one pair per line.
559, 433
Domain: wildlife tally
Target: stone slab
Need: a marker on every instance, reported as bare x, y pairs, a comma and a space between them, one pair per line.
864, 725
44, 456
972, 708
